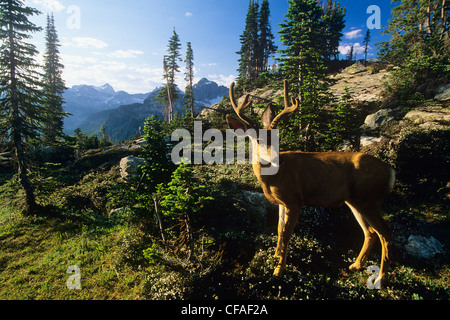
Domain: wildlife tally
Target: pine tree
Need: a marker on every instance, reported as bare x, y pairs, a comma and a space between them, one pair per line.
248, 63
53, 87
267, 45
334, 15
366, 45
303, 64
189, 94
419, 42
350, 53
302, 34
168, 93
20, 94
257, 42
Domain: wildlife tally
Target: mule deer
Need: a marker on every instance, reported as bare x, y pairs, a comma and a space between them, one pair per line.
327, 179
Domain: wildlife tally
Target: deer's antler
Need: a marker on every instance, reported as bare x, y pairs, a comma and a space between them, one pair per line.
288, 109
240, 109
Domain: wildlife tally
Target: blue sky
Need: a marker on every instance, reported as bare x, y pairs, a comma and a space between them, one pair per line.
123, 42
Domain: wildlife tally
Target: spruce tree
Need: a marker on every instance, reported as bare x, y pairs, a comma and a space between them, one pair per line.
53, 87
267, 45
248, 62
302, 34
366, 45
303, 64
189, 94
20, 88
420, 43
257, 42
334, 23
168, 93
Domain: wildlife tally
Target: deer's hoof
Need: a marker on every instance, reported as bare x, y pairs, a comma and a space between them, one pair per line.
279, 271
355, 266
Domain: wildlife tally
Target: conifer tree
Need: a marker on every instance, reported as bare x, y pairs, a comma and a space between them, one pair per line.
257, 42
303, 64
419, 42
302, 34
20, 88
249, 44
267, 45
168, 93
366, 45
53, 87
189, 94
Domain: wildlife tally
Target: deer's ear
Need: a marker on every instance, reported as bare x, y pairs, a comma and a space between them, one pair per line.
268, 116
235, 124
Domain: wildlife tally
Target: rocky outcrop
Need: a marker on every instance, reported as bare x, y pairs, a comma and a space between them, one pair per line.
129, 167
443, 93
390, 127
424, 247
363, 83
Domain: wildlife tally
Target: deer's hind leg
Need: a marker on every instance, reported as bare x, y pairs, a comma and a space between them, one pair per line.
369, 239
384, 232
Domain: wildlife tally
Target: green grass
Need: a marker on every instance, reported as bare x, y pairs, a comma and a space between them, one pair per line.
121, 257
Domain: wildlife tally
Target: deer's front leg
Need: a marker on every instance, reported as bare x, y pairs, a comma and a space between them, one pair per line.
291, 217
281, 226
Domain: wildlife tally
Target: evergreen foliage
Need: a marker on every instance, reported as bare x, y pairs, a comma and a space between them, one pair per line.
158, 167
188, 93
420, 45
168, 94
305, 33
21, 110
257, 42
181, 199
54, 87
366, 45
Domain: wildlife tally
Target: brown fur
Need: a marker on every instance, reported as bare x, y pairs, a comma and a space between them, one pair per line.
327, 179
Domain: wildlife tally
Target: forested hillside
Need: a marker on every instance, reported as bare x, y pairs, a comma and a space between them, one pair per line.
84, 218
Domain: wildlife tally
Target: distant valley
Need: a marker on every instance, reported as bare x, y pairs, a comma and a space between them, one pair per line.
124, 114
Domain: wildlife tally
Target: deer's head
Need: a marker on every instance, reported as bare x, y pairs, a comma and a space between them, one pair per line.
267, 151
269, 118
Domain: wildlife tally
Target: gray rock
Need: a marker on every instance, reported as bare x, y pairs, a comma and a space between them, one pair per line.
429, 119
443, 93
256, 200
129, 166
423, 248
367, 141
378, 119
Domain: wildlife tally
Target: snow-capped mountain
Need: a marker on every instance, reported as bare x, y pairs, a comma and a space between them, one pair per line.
81, 101
207, 93
124, 119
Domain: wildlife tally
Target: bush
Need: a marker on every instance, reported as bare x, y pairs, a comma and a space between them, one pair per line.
423, 159
180, 200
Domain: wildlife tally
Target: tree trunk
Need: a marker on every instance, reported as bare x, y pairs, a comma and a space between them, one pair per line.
30, 201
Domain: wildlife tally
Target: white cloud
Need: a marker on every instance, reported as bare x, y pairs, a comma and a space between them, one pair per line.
86, 42
50, 5
210, 64
130, 77
125, 54
357, 48
120, 54
353, 34
188, 14
221, 79
77, 60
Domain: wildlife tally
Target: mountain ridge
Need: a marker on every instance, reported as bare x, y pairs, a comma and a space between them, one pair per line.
126, 120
